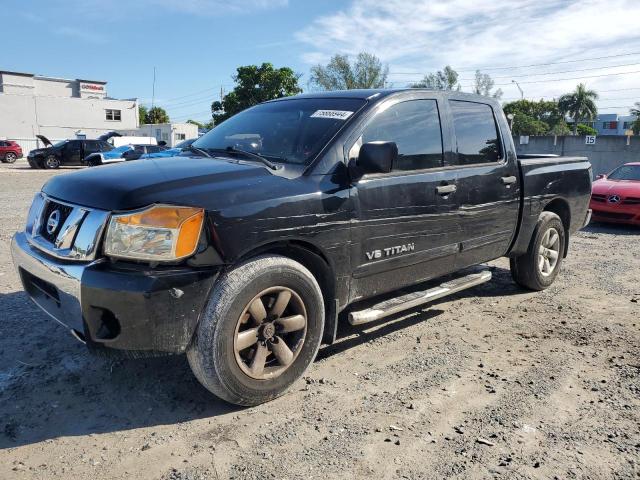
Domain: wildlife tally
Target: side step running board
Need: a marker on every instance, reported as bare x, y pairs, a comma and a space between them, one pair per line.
414, 299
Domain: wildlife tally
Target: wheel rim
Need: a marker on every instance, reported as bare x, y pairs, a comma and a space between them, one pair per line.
10, 157
270, 333
52, 162
549, 252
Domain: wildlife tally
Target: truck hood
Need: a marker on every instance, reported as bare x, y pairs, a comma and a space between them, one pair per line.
210, 183
620, 187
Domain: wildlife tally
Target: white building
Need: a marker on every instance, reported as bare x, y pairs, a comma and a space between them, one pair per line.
171, 133
59, 108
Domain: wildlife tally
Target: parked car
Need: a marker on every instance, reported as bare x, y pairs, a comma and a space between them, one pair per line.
10, 151
616, 196
171, 152
66, 152
296, 210
121, 154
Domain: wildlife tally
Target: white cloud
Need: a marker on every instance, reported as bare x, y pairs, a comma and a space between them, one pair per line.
419, 36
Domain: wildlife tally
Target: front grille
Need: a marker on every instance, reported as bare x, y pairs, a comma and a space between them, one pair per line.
596, 197
52, 206
631, 201
614, 215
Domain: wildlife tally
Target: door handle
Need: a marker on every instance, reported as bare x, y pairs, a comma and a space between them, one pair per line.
508, 180
446, 189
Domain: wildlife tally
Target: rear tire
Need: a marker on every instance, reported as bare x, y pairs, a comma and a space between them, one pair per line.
539, 266
246, 371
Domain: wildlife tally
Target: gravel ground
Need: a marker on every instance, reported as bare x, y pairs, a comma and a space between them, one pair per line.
495, 382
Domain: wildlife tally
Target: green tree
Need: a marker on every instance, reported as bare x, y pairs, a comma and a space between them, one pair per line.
157, 115
446, 79
142, 114
560, 128
527, 125
583, 129
196, 123
579, 105
255, 84
483, 85
340, 74
528, 113
636, 125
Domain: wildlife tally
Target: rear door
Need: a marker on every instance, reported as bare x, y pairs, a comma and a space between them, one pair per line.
487, 179
406, 227
90, 146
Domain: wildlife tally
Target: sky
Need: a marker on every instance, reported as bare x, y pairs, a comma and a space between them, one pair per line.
547, 46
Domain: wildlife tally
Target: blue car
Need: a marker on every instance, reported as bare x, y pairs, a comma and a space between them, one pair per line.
114, 155
171, 152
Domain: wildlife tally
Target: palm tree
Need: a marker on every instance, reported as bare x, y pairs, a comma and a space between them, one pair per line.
579, 105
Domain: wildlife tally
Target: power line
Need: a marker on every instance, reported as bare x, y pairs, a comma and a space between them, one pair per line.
557, 73
514, 67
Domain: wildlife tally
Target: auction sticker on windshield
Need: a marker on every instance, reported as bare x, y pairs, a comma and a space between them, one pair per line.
333, 114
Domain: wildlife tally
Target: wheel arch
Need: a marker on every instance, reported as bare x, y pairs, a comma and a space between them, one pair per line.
560, 207
317, 262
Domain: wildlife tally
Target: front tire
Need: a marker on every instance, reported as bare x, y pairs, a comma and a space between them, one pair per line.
260, 330
540, 265
10, 157
51, 162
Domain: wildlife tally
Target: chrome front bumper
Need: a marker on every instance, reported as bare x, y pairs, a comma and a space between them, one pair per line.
52, 284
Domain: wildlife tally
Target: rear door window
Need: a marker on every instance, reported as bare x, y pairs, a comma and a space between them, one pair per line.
477, 137
414, 126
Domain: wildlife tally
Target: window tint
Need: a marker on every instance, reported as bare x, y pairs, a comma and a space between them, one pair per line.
415, 128
476, 133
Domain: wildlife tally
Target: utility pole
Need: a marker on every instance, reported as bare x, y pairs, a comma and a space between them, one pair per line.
521, 92
153, 91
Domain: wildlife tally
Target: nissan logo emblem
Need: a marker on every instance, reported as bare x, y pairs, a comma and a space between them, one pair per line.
614, 199
53, 221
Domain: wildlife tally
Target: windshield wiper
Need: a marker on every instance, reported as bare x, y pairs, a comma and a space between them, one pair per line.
252, 155
202, 152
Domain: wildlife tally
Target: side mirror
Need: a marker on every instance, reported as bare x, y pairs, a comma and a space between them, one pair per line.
377, 157
602, 175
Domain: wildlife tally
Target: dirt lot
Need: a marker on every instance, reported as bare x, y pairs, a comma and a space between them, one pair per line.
496, 382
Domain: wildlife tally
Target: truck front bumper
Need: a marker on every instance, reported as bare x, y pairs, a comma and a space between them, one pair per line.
116, 307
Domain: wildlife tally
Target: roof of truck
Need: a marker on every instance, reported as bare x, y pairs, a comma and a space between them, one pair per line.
369, 94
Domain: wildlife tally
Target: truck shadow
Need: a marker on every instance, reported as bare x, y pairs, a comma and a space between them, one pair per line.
349, 336
51, 387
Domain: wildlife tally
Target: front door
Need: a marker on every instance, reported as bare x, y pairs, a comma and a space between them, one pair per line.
488, 183
406, 224
72, 154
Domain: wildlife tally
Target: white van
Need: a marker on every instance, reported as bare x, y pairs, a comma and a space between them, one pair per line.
120, 141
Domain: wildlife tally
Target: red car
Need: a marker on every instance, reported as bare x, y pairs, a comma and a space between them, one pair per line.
10, 151
616, 197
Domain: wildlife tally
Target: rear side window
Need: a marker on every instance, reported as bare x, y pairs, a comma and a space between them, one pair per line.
477, 136
415, 128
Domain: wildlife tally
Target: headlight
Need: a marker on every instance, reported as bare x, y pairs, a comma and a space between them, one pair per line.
158, 233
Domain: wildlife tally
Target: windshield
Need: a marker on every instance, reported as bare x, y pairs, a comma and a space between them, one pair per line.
290, 131
60, 143
121, 149
626, 172
185, 143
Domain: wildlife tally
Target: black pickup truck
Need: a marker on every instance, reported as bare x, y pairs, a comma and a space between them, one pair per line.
245, 250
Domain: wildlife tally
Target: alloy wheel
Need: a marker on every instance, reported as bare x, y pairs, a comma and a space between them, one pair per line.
52, 162
270, 333
549, 252
10, 157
